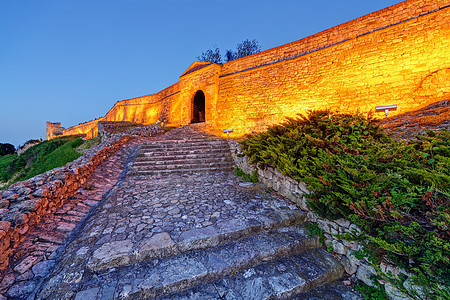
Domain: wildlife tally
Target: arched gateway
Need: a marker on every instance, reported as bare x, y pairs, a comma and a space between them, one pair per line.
198, 108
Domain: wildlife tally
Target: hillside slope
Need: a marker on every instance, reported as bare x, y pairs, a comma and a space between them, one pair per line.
40, 158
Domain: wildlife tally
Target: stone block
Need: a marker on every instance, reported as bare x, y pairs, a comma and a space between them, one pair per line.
42, 268
304, 204
342, 222
364, 273
312, 216
348, 266
323, 225
111, 255
87, 294
410, 286
5, 225
303, 188
198, 239
354, 228
353, 260
353, 245
339, 247
393, 293
26, 264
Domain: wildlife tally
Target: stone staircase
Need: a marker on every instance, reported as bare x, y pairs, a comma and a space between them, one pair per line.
265, 258
186, 150
264, 255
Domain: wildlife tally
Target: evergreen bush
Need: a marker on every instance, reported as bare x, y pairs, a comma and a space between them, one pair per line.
397, 192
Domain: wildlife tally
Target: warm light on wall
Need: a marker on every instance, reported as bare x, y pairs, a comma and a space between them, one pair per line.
396, 55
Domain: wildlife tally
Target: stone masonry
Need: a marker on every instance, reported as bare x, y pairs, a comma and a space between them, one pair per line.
344, 250
397, 55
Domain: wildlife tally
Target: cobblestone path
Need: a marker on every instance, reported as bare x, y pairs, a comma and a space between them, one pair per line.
183, 235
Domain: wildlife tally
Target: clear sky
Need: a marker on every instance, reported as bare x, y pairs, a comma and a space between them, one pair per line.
70, 61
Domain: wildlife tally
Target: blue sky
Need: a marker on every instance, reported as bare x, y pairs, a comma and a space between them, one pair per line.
70, 61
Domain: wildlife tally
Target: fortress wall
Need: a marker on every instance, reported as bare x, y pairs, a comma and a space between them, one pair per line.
405, 64
398, 55
147, 109
53, 130
88, 128
351, 29
206, 80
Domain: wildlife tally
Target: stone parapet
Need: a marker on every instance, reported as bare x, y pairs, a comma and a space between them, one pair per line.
25, 203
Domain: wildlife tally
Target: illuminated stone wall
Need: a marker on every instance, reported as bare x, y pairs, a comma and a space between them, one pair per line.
54, 129
393, 56
398, 55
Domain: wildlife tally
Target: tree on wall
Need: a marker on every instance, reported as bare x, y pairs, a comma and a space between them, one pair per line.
211, 55
244, 48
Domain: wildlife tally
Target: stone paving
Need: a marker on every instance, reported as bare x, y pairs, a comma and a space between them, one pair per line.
36, 254
137, 223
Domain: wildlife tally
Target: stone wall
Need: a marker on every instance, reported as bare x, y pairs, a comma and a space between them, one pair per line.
54, 129
25, 203
398, 55
343, 250
110, 129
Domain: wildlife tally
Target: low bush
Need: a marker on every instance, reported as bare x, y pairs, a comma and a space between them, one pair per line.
397, 192
253, 177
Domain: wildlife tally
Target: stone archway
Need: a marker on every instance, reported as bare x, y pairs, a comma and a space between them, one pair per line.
198, 108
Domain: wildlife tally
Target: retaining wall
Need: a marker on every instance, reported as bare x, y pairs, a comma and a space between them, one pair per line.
343, 250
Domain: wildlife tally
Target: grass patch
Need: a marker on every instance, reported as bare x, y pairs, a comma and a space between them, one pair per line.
246, 177
5, 161
42, 157
90, 143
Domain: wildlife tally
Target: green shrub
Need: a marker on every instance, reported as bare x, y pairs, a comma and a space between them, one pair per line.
396, 191
314, 230
376, 292
246, 177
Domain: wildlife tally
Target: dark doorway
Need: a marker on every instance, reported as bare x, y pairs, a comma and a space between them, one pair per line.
198, 110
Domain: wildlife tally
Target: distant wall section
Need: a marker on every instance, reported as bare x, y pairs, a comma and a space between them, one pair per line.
54, 129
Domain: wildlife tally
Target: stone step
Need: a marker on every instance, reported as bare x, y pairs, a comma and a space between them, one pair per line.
185, 143
285, 258
181, 148
173, 152
180, 171
183, 165
161, 245
186, 161
236, 273
204, 156
334, 290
